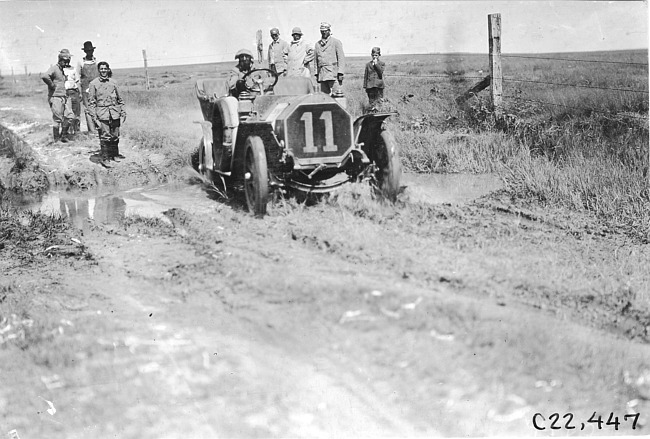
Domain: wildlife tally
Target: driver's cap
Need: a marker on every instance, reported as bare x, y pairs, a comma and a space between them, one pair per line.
242, 52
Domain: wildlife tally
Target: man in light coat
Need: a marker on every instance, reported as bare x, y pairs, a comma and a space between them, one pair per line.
278, 50
330, 61
300, 55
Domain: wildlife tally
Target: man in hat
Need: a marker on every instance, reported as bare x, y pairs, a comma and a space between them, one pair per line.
278, 50
330, 61
57, 96
299, 56
244, 66
87, 68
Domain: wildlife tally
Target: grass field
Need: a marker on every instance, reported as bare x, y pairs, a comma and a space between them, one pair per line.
581, 145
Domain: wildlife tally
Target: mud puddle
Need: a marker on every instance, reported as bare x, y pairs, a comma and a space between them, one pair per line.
109, 207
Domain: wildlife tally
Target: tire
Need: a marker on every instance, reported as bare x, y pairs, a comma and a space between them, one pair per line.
256, 176
207, 173
390, 168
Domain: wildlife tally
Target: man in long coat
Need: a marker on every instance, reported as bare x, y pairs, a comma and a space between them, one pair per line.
299, 56
330, 61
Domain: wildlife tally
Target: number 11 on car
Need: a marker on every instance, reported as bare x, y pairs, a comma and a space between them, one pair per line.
308, 118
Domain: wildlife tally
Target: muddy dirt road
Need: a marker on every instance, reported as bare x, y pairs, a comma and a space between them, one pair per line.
348, 318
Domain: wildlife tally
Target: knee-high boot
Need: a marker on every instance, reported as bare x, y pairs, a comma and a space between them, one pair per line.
56, 133
116, 150
64, 131
103, 154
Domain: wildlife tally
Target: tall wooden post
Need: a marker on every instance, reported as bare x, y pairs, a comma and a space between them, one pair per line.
260, 47
496, 86
12, 75
25, 70
146, 69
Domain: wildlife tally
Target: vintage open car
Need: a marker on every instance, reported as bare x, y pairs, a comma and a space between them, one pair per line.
280, 134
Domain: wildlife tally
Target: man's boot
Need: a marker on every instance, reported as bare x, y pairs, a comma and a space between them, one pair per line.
55, 133
102, 155
116, 151
64, 132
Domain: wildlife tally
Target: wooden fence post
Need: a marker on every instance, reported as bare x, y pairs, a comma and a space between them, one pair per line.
146, 70
496, 87
260, 47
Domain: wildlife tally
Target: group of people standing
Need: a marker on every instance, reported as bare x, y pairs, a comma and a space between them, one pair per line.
324, 61
296, 58
89, 82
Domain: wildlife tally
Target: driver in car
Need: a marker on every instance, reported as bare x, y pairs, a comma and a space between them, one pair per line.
245, 65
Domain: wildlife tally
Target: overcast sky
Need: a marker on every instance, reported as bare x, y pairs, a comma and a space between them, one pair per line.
192, 31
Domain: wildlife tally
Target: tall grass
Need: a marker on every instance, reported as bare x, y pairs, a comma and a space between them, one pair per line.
579, 147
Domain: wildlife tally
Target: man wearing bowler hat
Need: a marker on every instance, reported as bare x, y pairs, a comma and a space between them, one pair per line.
330, 61
87, 68
278, 50
299, 56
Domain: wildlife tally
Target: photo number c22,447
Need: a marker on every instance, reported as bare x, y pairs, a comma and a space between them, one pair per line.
556, 421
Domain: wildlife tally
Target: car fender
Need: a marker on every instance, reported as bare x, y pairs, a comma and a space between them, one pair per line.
368, 126
272, 148
226, 119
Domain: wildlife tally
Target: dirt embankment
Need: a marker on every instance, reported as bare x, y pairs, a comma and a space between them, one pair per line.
30, 161
347, 318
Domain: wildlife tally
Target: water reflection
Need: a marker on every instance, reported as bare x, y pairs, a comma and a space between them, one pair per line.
105, 209
74, 209
109, 209
83, 207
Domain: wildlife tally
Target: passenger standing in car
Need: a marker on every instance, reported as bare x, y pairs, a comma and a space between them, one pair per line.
107, 110
87, 69
373, 79
278, 50
330, 61
299, 56
57, 97
243, 67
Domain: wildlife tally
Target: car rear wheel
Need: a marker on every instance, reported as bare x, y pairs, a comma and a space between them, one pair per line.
390, 169
209, 175
256, 177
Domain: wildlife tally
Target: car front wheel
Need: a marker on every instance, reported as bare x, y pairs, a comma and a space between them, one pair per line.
390, 169
256, 177
203, 169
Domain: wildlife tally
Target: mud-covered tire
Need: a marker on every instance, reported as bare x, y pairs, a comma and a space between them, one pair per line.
389, 172
256, 176
203, 170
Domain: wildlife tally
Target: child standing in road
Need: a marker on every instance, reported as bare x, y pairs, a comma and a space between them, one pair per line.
373, 80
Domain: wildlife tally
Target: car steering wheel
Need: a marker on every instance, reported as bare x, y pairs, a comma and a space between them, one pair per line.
257, 80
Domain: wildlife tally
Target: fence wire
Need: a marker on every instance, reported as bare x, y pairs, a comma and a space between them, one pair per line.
593, 110
575, 60
574, 85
